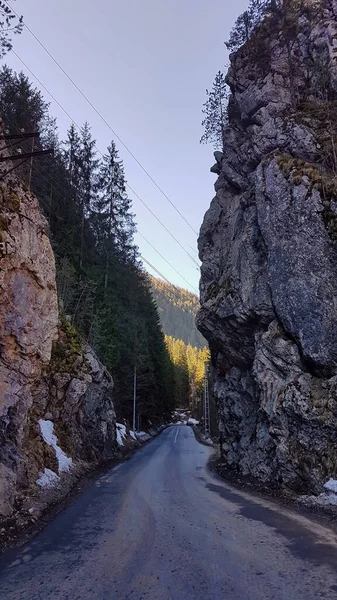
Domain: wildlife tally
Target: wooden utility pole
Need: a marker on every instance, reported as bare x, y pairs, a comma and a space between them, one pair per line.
134, 399
32, 158
207, 421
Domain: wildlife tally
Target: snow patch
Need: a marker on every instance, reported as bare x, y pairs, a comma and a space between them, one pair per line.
121, 433
143, 436
133, 435
321, 500
331, 485
192, 422
47, 478
47, 432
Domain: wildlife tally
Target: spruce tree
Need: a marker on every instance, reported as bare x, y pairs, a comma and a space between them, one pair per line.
72, 155
112, 210
88, 164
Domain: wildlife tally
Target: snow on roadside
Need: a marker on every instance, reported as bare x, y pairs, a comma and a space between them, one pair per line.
121, 433
47, 478
47, 432
143, 436
321, 500
331, 485
123, 436
192, 421
328, 498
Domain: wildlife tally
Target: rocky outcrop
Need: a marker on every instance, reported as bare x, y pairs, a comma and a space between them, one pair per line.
47, 374
269, 257
28, 324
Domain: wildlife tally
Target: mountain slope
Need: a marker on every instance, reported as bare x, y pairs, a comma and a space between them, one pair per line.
177, 310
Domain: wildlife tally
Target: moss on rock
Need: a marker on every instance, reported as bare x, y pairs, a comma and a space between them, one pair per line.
67, 349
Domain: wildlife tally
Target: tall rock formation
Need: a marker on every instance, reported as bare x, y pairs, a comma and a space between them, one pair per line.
269, 254
49, 380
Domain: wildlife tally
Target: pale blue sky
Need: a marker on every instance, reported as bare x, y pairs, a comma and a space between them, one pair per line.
145, 65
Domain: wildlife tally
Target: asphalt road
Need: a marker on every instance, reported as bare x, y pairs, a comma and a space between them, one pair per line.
161, 527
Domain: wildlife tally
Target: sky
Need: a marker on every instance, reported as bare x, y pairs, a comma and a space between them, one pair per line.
145, 66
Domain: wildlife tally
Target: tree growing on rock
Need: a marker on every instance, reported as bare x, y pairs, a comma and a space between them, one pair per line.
247, 22
215, 111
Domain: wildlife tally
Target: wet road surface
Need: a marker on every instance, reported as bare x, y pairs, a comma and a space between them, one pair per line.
161, 527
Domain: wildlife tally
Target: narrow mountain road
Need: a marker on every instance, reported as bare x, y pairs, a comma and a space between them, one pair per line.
160, 527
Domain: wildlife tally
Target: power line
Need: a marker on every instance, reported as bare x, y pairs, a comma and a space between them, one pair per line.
47, 178
163, 257
57, 186
99, 151
107, 124
170, 284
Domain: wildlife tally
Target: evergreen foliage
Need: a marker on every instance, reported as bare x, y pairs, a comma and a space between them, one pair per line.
102, 286
215, 113
187, 348
188, 364
247, 22
177, 310
9, 24
282, 14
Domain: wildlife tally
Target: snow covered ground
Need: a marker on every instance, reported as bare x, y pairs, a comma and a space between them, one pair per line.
327, 498
142, 436
48, 478
191, 421
121, 433
134, 436
331, 485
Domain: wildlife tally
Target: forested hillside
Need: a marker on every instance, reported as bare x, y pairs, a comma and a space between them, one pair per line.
101, 283
177, 310
187, 348
189, 364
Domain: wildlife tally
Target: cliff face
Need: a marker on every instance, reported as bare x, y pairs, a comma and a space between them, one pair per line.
49, 380
269, 256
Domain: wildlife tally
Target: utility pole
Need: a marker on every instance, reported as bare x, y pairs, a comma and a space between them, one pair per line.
32, 158
207, 423
134, 399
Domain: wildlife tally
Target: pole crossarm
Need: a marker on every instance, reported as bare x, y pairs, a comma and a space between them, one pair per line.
19, 136
26, 155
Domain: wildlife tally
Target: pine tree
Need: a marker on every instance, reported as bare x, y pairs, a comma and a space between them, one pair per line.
247, 22
215, 111
240, 32
9, 24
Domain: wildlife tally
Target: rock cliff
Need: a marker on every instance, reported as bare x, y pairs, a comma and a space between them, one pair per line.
269, 257
49, 380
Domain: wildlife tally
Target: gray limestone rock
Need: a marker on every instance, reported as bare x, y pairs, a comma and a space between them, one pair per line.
269, 260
